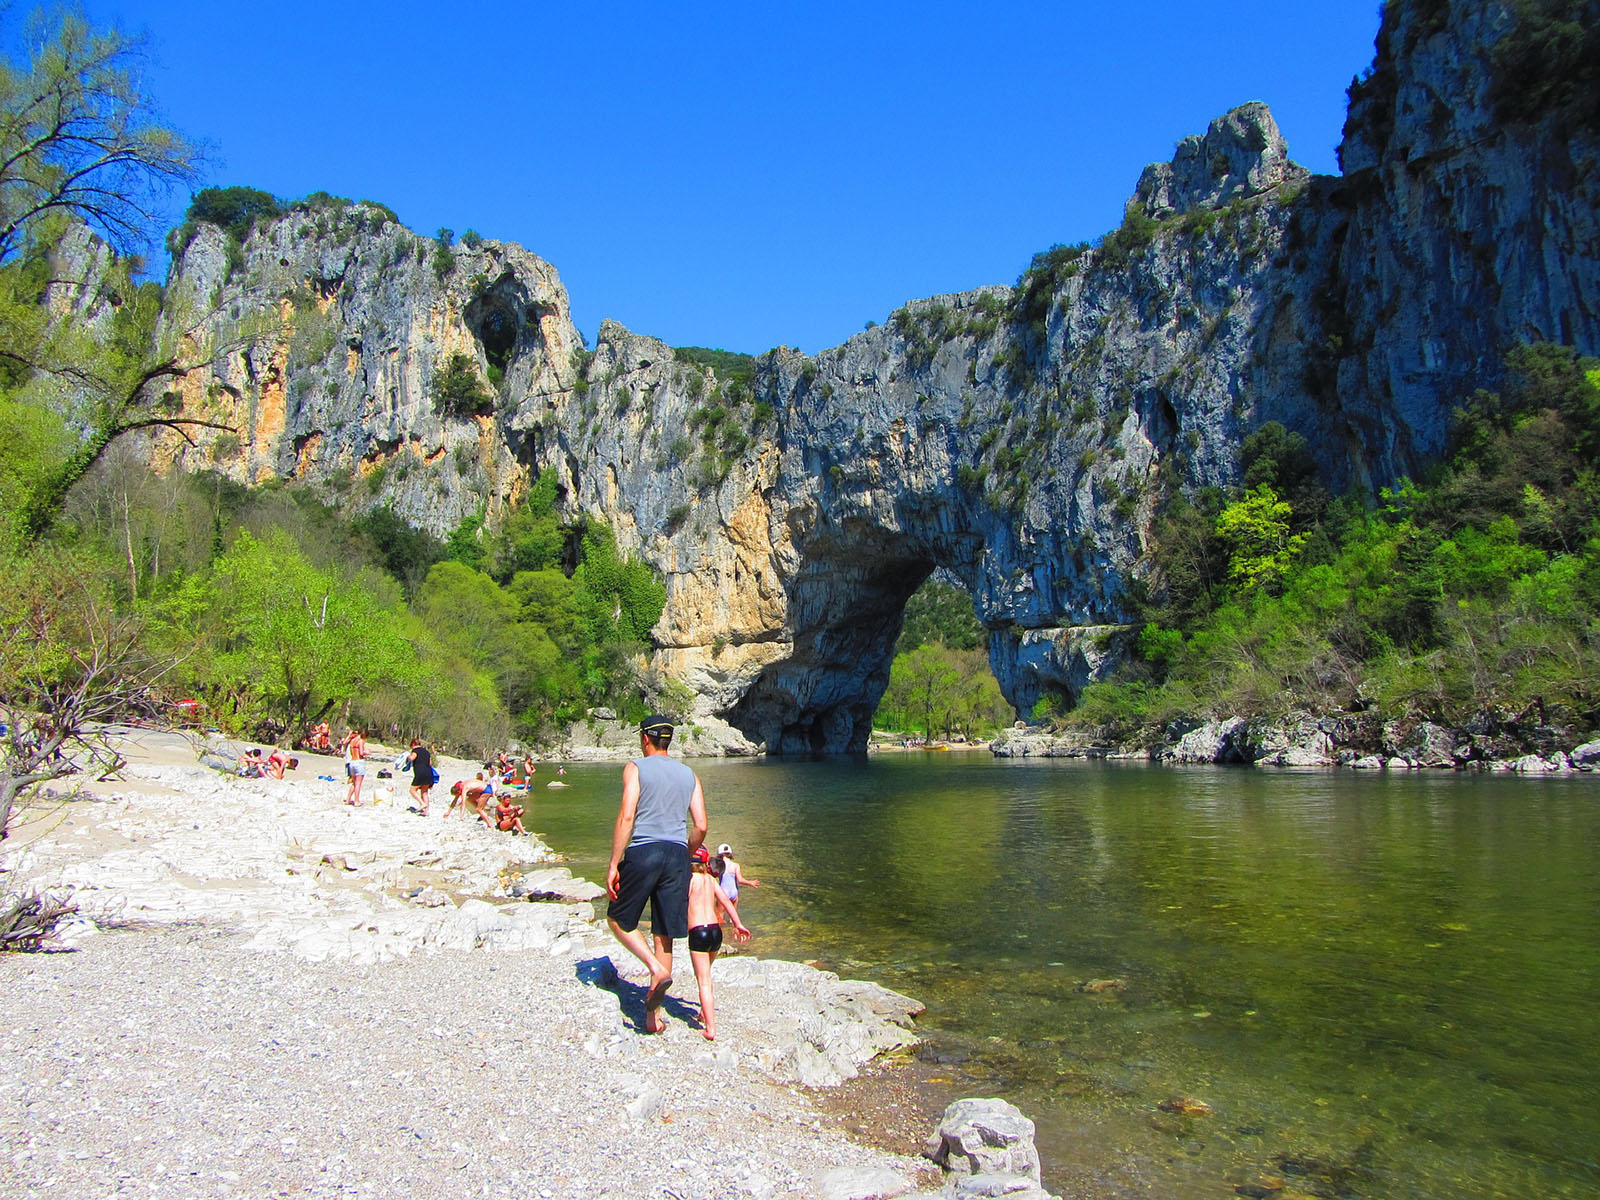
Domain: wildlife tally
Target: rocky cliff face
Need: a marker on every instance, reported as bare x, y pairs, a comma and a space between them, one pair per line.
1018, 437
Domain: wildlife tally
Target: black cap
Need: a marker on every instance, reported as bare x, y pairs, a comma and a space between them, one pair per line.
657, 726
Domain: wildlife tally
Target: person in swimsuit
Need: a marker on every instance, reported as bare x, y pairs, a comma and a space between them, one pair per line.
355, 766
508, 816
731, 876
475, 797
278, 762
420, 759
650, 847
705, 935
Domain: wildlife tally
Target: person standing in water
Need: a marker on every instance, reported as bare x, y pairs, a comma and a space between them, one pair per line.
660, 822
731, 876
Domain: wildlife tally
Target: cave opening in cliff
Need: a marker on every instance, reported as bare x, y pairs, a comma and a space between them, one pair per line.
494, 317
853, 611
942, 686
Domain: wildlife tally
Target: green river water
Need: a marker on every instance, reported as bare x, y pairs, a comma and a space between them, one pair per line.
1382, 985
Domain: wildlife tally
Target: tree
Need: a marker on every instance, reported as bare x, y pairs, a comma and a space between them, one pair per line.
68, 663
929, 681
532, 538
78, 136
234, 210
1257, 528
458, 390
80, 146
97, 387
283, 641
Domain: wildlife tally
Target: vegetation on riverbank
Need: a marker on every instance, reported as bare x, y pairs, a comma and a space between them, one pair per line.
940, 683
1475, 587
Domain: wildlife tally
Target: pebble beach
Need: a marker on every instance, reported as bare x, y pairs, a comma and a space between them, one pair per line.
270, 993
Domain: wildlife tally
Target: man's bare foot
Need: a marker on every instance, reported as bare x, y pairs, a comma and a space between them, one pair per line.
659, 983
708, 1033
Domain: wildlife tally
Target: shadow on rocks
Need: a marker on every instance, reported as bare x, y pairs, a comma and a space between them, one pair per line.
601, 972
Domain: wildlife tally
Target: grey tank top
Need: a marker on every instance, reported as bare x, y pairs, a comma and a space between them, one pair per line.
665, 788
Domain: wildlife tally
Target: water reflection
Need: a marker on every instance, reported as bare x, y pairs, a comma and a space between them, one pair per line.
1380, 985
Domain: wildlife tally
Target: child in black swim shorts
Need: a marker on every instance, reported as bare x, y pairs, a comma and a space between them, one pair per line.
705, 935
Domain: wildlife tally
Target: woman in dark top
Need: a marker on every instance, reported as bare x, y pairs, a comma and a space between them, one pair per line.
421, 759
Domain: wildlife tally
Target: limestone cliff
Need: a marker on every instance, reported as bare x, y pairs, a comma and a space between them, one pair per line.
1019, 437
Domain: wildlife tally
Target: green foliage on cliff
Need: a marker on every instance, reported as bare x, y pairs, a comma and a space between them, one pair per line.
940, 613
234, 210
1547, 64
1478, 587
458, 389
728, 364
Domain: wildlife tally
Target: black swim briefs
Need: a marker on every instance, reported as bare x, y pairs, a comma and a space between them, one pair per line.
657, 872
707, 939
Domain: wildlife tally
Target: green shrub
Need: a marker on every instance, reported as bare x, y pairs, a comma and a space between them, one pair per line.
444, 258
1135, 233
458, 391
1548, 65
234, 210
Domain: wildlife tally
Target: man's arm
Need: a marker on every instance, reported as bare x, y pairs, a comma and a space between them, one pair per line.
697, 817
622, 832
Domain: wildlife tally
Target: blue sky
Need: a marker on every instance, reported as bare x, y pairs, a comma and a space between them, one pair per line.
744, 175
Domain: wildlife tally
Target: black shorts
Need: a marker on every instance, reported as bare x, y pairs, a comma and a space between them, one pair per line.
707, 939
657, 872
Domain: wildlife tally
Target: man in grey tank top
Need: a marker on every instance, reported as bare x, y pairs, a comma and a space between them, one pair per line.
661, 822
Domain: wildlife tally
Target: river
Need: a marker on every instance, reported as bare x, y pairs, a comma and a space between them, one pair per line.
1378, 985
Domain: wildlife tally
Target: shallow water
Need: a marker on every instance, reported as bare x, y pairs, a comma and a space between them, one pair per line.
1381, 985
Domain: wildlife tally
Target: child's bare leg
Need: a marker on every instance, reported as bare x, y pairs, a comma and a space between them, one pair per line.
702, 960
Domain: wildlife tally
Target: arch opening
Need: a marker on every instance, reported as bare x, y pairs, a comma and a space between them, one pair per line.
847, 613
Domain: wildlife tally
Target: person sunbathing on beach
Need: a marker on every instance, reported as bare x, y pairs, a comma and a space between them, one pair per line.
705, 934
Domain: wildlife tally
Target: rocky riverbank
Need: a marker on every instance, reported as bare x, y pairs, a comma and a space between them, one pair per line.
275, 993
1360, 741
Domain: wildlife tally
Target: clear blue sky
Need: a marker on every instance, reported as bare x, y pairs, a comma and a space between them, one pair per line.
740, 175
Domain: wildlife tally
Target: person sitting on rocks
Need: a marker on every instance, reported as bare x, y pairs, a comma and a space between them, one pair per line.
251, 765
705, 934
508, 816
